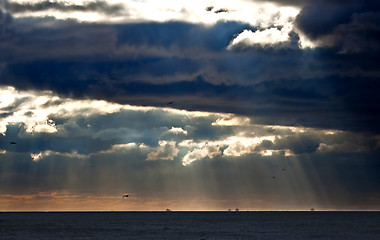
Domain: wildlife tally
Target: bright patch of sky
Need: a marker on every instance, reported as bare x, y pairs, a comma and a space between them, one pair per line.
261, 14
33, 109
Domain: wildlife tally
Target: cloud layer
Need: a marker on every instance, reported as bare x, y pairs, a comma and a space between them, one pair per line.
89, 147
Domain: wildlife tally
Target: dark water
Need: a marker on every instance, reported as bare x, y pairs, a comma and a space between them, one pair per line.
190, 225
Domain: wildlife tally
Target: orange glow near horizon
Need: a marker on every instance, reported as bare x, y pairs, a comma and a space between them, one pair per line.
85, 202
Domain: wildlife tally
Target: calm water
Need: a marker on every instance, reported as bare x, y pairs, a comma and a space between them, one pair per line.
190, 225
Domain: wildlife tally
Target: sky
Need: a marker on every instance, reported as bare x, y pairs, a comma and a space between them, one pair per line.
189, 105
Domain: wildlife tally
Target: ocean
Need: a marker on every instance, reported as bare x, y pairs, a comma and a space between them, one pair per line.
190, 225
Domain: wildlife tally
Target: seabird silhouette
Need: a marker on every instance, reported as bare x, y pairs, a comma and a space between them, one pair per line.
171, 102
125, 195
210, 8
222, 10
12, 142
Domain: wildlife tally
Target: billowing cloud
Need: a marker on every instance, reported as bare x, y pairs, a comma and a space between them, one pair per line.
268, 37
351, 27
165, 151
200, 153
177, 131
299, 144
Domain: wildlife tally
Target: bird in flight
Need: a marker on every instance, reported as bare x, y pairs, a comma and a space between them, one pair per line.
125, 195
12, 142
171, 102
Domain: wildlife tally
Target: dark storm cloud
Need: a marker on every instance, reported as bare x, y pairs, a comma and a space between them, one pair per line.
70, 39
182, 35
98, 6
299, 144
350, 26
154, 63
27, 143
66, 39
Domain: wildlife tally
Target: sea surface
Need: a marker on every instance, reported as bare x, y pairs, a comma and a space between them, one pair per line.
190, 225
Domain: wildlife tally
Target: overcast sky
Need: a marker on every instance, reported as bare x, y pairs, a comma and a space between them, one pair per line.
189, 105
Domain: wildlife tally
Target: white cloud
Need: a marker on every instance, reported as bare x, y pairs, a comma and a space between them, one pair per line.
47, 126
238, 146
286, 152
166, 151
232, 120
199, 153
264, 38
305, 42
177, 130
124, 147
40, 155
33, 109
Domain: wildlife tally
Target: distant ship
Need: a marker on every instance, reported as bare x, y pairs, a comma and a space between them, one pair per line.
237, 210
168, 210
312, 209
